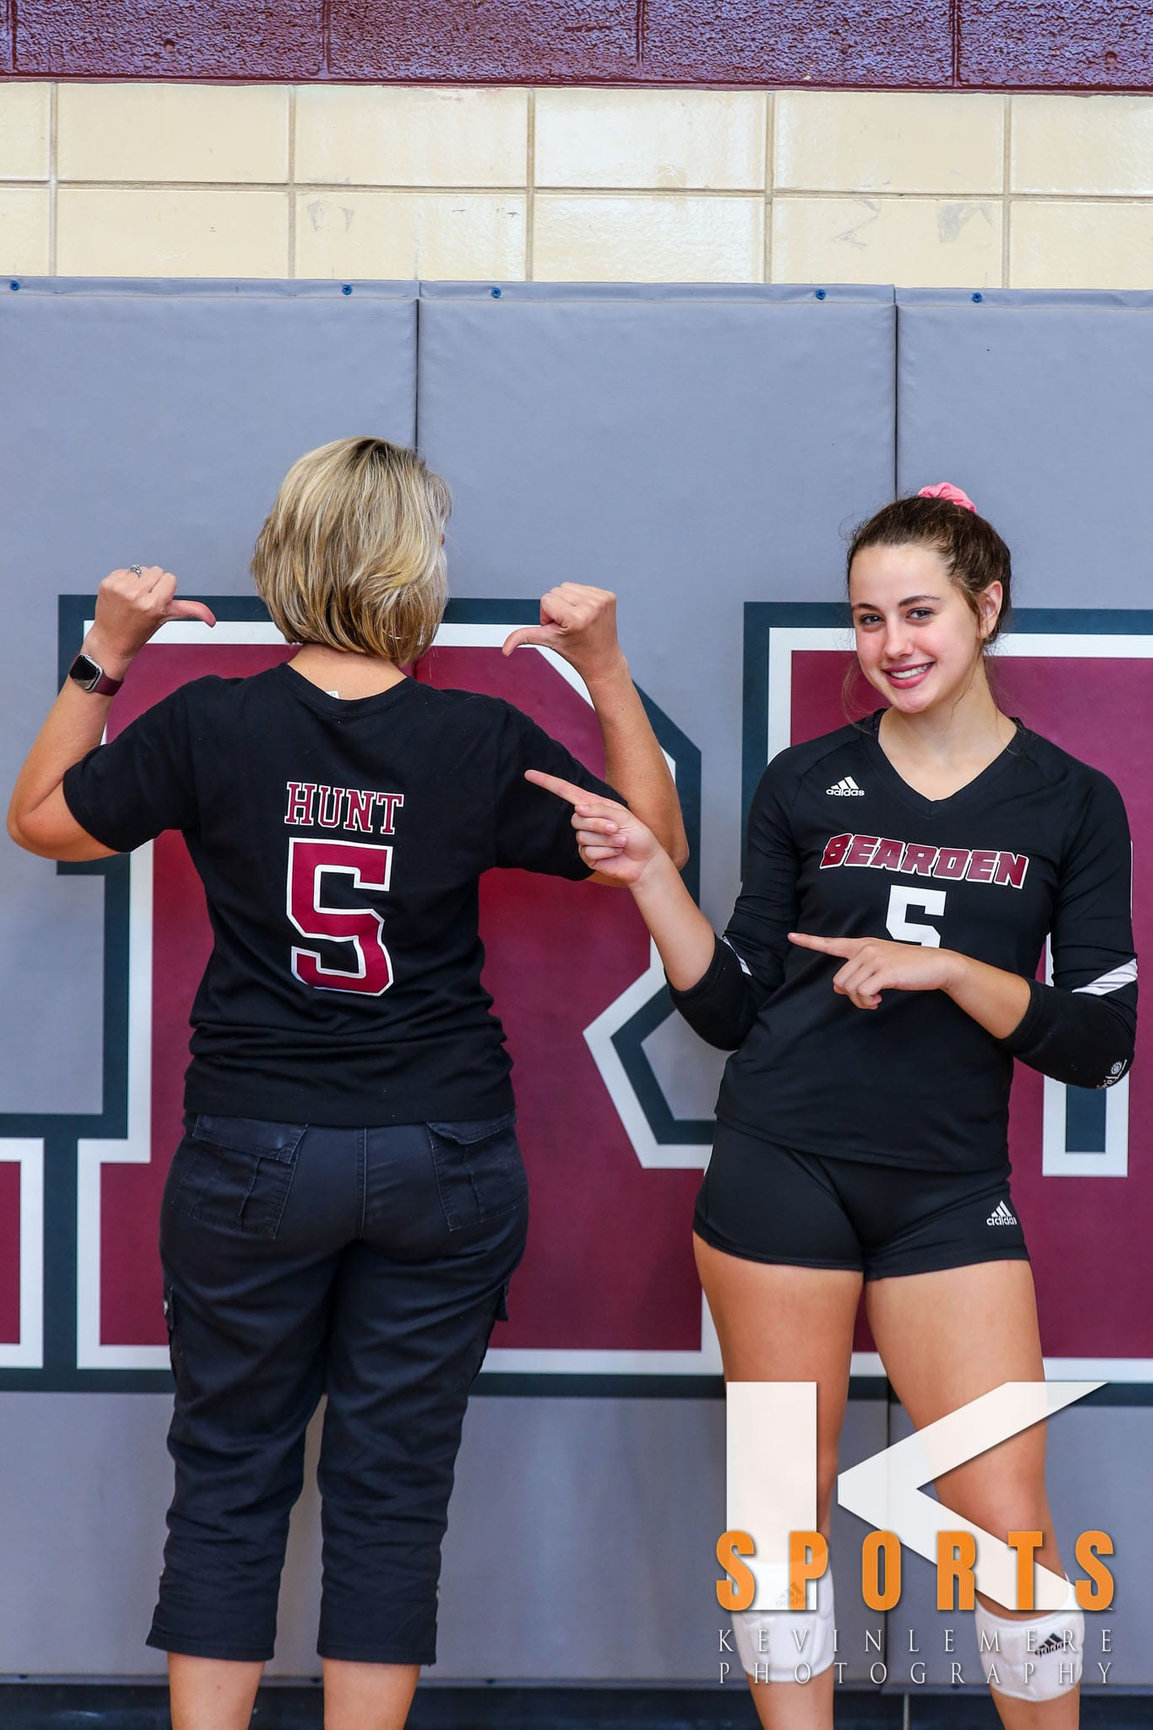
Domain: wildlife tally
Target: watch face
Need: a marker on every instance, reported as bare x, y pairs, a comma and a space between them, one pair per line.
85, 671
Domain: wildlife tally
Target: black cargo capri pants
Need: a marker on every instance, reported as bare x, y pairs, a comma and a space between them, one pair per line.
368, 1265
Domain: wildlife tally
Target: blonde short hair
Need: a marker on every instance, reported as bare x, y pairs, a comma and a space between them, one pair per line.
351, 555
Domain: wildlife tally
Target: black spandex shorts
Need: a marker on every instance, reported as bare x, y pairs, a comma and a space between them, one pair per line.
766, 1203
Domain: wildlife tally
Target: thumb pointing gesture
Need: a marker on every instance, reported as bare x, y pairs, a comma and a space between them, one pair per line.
190, 610
579, 623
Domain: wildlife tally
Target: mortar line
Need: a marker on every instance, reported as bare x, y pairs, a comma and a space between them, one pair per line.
530, 189
1006, 180
53, 122
770, 158
292, 180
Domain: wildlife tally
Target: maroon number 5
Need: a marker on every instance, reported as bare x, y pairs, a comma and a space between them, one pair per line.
367, 867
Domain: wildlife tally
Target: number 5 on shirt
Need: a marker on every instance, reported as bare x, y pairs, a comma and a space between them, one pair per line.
367, 867
910, 930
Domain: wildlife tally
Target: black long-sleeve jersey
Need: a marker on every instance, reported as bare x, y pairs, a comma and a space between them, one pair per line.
840, 846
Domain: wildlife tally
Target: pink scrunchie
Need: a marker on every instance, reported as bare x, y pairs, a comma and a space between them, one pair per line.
944, 490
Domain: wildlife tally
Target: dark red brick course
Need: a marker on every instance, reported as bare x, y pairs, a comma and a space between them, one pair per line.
170, 38
551, 41
1056, 44
934, 44
847, 42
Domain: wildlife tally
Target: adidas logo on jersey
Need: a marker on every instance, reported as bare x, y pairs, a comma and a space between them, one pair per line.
846, 789
1002, 1215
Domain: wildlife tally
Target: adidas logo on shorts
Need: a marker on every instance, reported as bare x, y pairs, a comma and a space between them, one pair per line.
1002, 1215
1055, 1643
846, 789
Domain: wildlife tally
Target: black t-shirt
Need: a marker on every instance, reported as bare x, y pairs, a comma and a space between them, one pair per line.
841, 846
340, 845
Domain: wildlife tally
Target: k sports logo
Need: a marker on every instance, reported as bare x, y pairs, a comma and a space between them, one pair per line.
773, 1553
587, 1096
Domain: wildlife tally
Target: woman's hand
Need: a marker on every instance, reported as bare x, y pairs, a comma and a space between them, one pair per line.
619, 848
580, 623
612, 842
873, 965
131, 608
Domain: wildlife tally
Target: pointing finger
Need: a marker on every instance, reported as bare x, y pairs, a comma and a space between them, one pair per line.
845, 947
589, 804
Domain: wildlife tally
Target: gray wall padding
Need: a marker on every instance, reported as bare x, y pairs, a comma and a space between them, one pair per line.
1040, 407
692, 448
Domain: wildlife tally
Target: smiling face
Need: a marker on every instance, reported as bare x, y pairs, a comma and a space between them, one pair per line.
918, 640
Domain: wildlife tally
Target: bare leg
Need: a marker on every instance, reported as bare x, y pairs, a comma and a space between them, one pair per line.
211, 1693
367, 1696
788, 1324
945, 1339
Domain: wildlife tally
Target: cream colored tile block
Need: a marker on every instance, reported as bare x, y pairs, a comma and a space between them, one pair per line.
890, 141
372, 136
23, 231
640, 239
156, 232
461, 236
668, 139
25, 119
1066, 144
191, 132
914, 242
1080, 245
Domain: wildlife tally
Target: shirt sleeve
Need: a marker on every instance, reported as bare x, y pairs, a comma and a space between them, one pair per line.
1081, 1029
534, 829
124, 793
749, 960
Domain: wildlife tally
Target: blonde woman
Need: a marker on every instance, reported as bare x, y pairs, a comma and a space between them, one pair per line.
348, 1203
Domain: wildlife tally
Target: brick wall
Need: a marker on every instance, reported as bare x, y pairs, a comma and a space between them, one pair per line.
939, 44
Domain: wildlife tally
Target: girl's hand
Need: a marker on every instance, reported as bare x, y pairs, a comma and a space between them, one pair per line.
873, 965
580, 623
612, 842
131, 608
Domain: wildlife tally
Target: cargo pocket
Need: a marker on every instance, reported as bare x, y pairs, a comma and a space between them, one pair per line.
479, 1170
235, 1172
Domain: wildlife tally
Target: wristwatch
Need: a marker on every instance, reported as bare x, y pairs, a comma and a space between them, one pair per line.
90, 676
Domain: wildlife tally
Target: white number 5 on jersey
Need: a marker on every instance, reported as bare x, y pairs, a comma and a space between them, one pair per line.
897, 924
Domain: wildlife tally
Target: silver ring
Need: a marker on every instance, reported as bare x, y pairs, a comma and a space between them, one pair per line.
136, 570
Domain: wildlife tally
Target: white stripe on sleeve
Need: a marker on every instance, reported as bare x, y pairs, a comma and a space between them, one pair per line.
745, 968
1123, 975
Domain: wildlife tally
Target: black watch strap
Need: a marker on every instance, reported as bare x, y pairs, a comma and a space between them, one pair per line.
90, 676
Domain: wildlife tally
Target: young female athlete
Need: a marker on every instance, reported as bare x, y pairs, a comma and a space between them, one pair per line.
348, 1203
876, 982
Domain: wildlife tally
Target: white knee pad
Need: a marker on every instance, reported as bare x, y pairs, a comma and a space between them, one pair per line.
787, 1645
1038, 1660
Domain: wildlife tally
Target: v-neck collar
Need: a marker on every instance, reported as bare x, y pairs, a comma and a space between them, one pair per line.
978, 786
